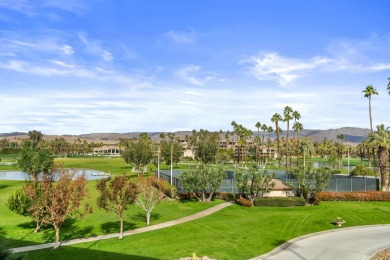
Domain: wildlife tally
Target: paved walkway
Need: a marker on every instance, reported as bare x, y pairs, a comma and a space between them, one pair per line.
127, 233
345, 243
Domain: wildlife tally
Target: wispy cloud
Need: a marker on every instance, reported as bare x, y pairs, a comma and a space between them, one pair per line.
94, 47
364, 56
72, 6
272, 66
181, 36
194, 75
22, 6
43, 45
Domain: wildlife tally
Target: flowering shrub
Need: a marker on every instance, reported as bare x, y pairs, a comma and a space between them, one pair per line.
244, 202
353, 196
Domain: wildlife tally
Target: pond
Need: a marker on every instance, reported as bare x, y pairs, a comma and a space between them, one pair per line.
22, 176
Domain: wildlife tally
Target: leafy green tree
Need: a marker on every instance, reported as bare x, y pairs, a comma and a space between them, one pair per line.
381, 140
368, 92
34, 161
19, 202
254, 183
205, 146
171, 149
203, 181
138, 152
116, 194
309, 182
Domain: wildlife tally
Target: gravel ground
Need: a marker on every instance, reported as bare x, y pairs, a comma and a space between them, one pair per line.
382, 255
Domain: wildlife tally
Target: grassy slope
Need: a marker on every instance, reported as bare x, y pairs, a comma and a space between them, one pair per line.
233, 233
18, 230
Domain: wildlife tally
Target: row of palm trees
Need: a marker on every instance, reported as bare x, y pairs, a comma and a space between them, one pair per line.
379, 140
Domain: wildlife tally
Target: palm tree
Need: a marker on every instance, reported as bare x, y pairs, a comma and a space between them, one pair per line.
275, 119
368, 92
381, 139
258, 125
287, 112
270, 130
35, 137
388, 85
297, 127
264, 127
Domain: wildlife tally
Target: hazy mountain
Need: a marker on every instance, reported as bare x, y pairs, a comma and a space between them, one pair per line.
352, 135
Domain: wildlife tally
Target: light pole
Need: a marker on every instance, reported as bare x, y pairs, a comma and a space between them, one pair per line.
171, 162
348, 158
158, 163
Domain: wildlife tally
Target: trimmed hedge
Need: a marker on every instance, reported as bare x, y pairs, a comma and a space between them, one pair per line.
353, 196
164, 187
280, 201
227, 196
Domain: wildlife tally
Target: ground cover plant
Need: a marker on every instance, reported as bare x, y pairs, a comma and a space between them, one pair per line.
234, 233
19, 230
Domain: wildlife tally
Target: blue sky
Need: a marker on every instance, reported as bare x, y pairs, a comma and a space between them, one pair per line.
74, 66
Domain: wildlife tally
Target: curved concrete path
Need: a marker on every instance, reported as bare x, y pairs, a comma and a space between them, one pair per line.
201, 214
352, 243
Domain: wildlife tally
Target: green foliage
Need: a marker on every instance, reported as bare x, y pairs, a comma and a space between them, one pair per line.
205, 145
138, 152
310, 182
164, 187
353, 196
254, 183
362, 170
335, 171
280, 201
34, 161
19, 202
203, 179
171, 147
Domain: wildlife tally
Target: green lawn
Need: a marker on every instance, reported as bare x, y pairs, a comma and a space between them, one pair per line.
18, 230
233, 233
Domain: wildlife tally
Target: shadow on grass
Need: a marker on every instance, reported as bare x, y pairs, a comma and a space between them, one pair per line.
4, 186
384, 211
70, 252
113, 227
142, 217
278, 242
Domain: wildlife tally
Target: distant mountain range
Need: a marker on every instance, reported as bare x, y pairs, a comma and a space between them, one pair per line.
352, 135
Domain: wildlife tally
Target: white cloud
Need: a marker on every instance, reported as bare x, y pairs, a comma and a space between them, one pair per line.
22, 6
45, 45
272, 66
194, 75
72, 6
180, 37
94, 47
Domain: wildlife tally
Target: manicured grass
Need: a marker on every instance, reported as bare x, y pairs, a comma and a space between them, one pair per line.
18, 230
233, 233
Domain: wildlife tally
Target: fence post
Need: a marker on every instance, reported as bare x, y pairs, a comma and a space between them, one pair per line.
351, 184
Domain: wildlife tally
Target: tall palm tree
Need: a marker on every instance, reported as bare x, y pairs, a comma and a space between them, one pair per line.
35, 137
258, 125
297, 127
275, 119
368, 92
287, 112
381, 139
264, 127
270, 130
388, 85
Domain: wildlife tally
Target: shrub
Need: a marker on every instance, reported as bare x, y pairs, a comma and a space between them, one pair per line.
244, 202
164, 187
335, 171
362, 170
353, 196
226, 196
279, 201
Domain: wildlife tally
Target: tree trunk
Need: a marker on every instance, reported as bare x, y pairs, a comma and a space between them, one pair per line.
121, 228
147, 218
57, 239
383, 155
37, 227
